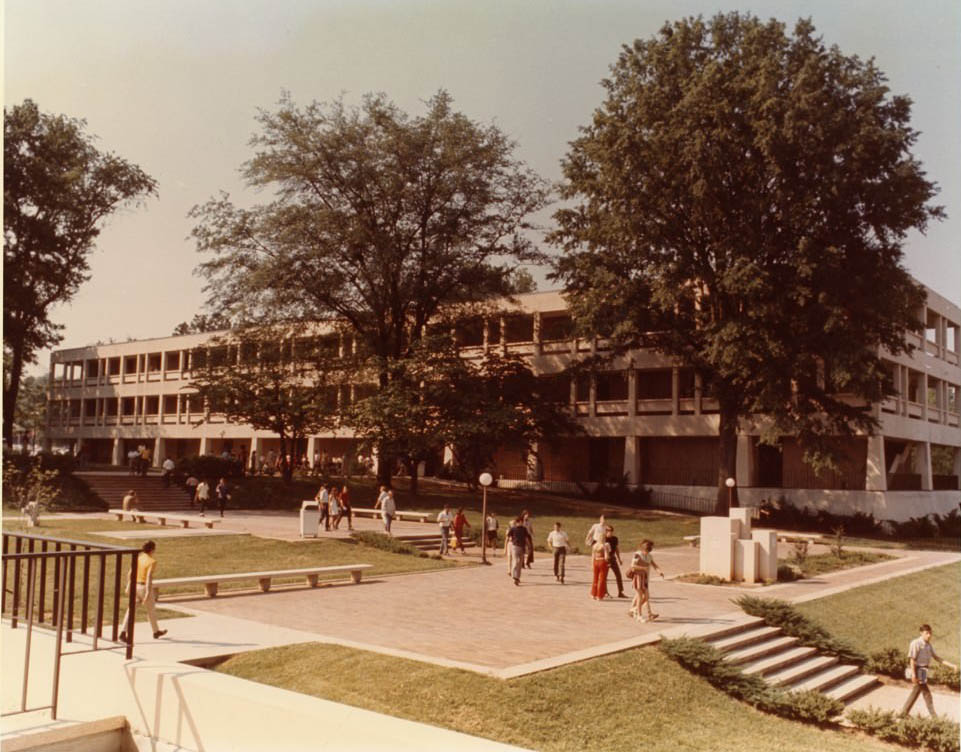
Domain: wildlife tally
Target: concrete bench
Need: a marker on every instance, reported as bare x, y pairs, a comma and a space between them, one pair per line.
415, 516
137, 515
693, 540
210, 581
783, 537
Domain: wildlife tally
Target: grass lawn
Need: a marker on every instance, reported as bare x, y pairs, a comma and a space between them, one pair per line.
895, 609
824, 563
637, 700
223, 554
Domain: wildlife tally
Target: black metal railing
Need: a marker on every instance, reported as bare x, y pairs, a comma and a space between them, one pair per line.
65, 586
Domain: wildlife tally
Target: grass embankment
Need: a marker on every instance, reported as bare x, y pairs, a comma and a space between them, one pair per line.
895, 609
576, 515
639, 699
224, 554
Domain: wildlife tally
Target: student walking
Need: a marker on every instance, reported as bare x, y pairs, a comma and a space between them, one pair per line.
444, 520
203, 495
345, 507
614, 560
459, 524
323, 500
640, 573
599, 561
558, 542
597, 532
335, 510
388, 507
146, 564
920, 653
223, 495
490, 530
528, 522
518, 539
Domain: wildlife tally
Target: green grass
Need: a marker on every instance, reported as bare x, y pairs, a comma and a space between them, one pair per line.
894, 609
637, 700
823, 563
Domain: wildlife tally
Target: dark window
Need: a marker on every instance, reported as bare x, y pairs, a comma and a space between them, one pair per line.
519, 327
582, 387
655, 384
127, 406
555, 328
152, 405
130, 364
612, 386
110, 406
685, 383
170, 404
470, 332
555, 387
92, 368
153, 362
113, 366
173, 360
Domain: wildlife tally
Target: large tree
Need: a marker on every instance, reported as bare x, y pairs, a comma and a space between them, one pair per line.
58, 190
272, 379
375, 218
744, 193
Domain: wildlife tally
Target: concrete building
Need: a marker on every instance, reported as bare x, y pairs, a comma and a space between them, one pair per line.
646, 420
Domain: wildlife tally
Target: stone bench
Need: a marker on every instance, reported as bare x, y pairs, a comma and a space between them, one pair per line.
137, 515
783, 537
210, 581
369, 512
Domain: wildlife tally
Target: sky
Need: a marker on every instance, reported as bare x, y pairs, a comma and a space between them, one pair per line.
174, 86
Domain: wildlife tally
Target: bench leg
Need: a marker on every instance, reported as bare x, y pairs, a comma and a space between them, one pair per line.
186, 523
163, 521
264, 584
211, 588
312, 580
142, 520
119, 517
208, 525
355, 575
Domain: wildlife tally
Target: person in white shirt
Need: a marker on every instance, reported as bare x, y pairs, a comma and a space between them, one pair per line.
168, 471
597, 533
920, 653
323, 500
559, 543
490, 526
444, 520
388, 507
202, 496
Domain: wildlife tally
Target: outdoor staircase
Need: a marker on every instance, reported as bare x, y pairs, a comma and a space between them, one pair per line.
428, 541
154, 497
763, 651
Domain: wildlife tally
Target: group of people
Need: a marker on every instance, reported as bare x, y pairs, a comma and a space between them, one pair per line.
334, 503
139, 460
200, 494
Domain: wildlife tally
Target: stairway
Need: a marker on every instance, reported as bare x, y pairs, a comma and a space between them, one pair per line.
763, 651
429, 541
112, 487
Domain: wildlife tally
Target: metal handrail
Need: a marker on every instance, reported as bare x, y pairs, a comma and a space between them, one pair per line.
28, 600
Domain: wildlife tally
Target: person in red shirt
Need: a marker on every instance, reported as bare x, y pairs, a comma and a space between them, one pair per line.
460, 522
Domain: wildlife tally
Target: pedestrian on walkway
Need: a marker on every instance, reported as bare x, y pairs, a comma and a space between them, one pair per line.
345, 506
203, 495
191, 485
528, 522
490, 530
168, 471
509, 548
518, 539
444, 520
640, 574
599, 561
597, 532
323, 501
388, 507
335, 511
459, 524
223, 495
614, 560
558, 542
920, 653
146, 564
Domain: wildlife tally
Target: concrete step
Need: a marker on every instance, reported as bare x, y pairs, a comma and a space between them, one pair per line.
824, 680
801, 670
854, 687
778, 661
759, 650
743, 639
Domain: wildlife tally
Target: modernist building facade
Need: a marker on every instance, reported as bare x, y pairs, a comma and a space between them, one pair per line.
646, 420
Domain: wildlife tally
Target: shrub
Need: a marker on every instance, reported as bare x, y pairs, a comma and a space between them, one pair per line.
705, 660
792, 622
949, 677
61, 463
788, 573
384, 542
937, 734
888, 662
210, 467
837, 541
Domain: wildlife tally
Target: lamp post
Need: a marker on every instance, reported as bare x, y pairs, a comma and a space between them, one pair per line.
730, 483
485, 480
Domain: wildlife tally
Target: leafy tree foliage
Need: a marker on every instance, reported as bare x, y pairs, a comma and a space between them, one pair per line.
271, 380
31, 410
437, 398
744, 193
58, 190
377, 219
201, 323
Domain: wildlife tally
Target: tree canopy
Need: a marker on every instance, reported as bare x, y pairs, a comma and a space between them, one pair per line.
58, 190
744, 193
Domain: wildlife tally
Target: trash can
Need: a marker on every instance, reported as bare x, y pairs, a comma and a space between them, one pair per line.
309, 518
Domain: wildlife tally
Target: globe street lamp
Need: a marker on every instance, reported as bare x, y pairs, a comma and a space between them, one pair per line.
730, 483
485, 480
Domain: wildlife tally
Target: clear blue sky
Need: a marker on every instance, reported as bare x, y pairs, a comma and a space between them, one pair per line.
173, 85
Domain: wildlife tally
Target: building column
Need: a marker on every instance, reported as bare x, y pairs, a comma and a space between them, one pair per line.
159, 451
592, 396
311, 448
923, 459
745, 472
632, 390
632, 460
675, 390
876, 477
538, 345
117, 456
203, 445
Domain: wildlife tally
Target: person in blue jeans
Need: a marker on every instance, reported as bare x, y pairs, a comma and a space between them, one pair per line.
920, 653
445, 519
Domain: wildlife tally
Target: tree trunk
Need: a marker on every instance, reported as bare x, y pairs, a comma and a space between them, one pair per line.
286, 465
384, 466
412, 472
727, 464
11, 389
